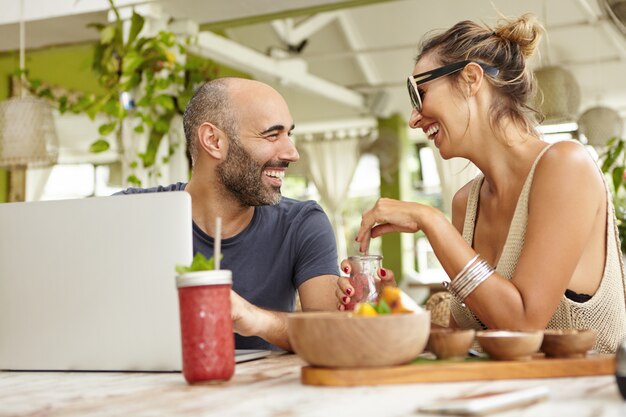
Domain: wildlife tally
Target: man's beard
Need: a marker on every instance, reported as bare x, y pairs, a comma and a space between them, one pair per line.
241, 175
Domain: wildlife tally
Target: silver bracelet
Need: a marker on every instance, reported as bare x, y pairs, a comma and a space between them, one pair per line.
463, 277
470, 277
480, 276
462, 285
466, 267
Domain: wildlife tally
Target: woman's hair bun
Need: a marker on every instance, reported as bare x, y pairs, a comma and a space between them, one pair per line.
525, 31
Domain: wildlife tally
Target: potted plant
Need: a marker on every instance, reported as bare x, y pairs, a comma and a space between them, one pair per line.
613, 163
146, 82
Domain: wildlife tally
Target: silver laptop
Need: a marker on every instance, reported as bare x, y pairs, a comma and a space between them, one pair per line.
90, 284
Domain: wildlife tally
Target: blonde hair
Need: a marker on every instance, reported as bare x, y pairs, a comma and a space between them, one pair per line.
506, 47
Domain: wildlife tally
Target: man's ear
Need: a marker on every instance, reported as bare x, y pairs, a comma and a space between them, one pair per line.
211, 141
473, 76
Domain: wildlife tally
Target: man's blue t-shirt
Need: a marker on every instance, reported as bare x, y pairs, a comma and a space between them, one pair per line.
283, 246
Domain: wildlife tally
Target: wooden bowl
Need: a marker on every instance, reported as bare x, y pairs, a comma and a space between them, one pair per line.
341, 339
507, 345
568, 343
449, 343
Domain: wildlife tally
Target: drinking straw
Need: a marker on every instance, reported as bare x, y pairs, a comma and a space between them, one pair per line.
218, 242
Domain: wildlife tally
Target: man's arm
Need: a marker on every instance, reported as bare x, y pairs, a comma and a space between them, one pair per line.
249, 320
318, 293
316, 257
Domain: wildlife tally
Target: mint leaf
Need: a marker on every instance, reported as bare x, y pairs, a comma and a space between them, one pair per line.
199, 263
383, 307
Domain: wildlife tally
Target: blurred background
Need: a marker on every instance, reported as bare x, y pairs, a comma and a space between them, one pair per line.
92, 97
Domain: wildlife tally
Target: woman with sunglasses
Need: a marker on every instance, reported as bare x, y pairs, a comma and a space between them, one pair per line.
532, 243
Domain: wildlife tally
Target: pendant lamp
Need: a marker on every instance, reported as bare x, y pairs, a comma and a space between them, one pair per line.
27, 132
558, 97
599, 124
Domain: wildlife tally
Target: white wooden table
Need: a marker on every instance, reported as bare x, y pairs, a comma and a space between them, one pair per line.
271, 387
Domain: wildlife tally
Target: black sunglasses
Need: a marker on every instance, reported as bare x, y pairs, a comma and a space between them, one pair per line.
414, 80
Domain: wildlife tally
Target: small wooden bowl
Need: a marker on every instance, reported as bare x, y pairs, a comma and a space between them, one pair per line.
505, 345
449, 343
343, 340
569, 343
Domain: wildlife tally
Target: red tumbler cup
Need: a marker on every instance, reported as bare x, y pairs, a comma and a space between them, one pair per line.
206, 327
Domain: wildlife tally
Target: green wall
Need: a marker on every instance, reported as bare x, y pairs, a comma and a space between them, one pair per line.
68, 66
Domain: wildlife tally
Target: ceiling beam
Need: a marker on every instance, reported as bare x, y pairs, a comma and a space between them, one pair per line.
610, 31
46, 9
293, 34
283, 13
355, 42
291, 72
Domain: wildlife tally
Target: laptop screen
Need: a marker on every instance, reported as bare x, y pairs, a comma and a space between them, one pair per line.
90, 284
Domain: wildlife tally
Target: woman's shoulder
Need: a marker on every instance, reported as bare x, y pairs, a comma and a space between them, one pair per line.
459, 204
462, 195
569, 162
567, 153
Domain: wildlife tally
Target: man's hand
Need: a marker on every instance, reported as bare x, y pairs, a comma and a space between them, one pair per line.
243, 316
250, 320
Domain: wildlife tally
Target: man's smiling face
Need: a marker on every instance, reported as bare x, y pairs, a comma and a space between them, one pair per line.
258, 156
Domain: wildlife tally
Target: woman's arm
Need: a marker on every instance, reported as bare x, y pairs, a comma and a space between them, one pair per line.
565, 200
566, 211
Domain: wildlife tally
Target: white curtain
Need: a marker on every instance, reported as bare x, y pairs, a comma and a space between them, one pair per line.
330, 165
36, 180
453, 174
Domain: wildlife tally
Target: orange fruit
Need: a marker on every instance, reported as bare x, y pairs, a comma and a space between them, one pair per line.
364, 310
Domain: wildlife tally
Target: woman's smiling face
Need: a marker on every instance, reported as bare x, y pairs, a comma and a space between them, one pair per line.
444, 112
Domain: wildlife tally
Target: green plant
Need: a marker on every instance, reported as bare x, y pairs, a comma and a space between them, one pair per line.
199, 263
145, 68
613, 163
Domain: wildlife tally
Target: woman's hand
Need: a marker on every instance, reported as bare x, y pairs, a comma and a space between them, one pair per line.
386, 216
345, 290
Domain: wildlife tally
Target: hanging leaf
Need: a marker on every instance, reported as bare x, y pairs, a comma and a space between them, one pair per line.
133, 180
163, 124
98, 26
63, 107
613, 152
107, 128
129, 82
98, 146
112, 64
131, 62
46, 93
149, 157
183, 100
107, 34
144, 101
96, 106
136, 24
164, 101
617, 175
162, 83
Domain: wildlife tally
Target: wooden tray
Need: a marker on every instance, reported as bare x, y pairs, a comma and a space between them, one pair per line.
446, 371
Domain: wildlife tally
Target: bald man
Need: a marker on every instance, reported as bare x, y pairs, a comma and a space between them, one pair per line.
238, 135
